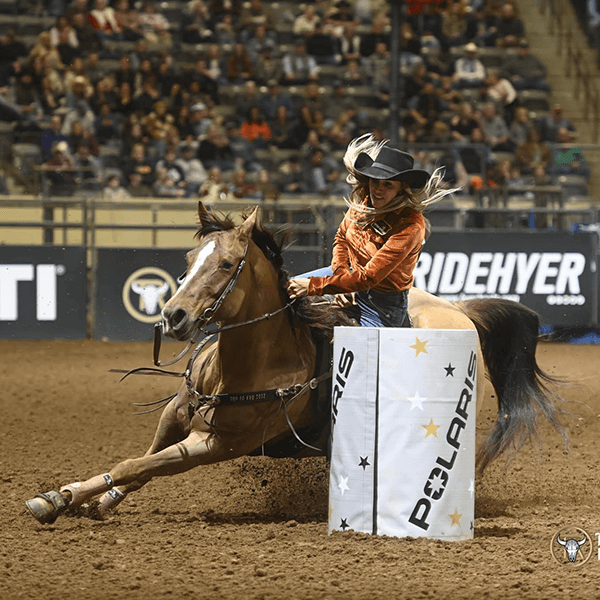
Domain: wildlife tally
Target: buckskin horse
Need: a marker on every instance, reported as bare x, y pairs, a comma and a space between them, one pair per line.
253, 385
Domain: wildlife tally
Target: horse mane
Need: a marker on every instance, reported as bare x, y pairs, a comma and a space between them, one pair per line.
320, 317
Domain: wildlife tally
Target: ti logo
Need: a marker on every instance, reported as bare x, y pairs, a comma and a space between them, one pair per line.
571, 546
566, 158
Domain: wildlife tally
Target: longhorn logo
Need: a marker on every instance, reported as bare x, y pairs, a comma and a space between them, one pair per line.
145, 293
571, 546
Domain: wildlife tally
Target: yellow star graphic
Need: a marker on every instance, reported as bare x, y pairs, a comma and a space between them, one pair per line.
455, 518
419, 346
431, 428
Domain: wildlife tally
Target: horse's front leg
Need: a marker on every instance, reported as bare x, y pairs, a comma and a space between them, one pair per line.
174, 426
200, 447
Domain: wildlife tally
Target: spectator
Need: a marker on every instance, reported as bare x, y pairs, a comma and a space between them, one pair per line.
59, 171
240, 186
225, 30
242, 149
341, 16
256, 129
62, 24
265, 187
261, 39
322, 46
137, 188
341, 102
379, 66
509, 27
495, 131
76, 82
93, 70
215, 151
106, 93
353, 74
144, 102
425, 111
103, 19
215, 65
254, 14
249, 98
196, 24
533, 152
501, 91
124, 73
519, 128
298, 67
377, 35
48, 97
239, 65
129, 21
86, 35
320, 174
306, 22
156, 124
139, 163
293, 181
282, 129
207, 86
267, 66
525, 71
194, 172
273, 99
155, 26
89, 176
80, 136
81, 112
469, 71
108, 126
67, 52
214, 189
475, 157
11, 49
552, 122
450, 97
173, 168
463, 124
576, 167
349, 45
43, 48
125, 104
51, 136
164, 186
454, 26
114, 191
184, 125
200, 119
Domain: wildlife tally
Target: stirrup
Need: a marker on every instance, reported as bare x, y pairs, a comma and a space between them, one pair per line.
46, 507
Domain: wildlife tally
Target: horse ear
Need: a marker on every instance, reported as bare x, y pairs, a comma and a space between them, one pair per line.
247, 226
203, 214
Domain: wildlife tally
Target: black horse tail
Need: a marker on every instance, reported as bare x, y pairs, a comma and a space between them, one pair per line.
508, 333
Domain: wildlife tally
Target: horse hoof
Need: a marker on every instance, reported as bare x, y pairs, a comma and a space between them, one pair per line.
47, 506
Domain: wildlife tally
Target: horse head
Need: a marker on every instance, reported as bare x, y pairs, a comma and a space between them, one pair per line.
209, 290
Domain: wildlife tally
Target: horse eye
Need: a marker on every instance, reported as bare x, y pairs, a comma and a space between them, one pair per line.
181, 277
226, 265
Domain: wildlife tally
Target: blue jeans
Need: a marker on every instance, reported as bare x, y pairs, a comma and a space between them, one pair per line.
375, 308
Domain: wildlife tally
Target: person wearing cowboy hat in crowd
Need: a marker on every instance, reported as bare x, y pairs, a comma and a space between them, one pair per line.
378, 243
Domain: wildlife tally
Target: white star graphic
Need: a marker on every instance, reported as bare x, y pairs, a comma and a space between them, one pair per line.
416, 401
437, 483
471, 487
343, 484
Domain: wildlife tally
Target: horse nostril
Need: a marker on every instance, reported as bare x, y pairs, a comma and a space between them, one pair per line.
179, 318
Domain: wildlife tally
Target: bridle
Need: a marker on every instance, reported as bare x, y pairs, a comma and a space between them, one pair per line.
205, 319
197, 401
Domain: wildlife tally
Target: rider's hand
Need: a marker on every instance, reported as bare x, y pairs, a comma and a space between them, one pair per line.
298, 287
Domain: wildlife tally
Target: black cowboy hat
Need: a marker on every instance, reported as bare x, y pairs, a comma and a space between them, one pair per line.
391, 163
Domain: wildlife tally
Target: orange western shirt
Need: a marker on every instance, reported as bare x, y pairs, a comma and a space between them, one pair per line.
383, 263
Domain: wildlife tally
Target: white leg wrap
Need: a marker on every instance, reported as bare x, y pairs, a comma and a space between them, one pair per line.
81, 491
110, 500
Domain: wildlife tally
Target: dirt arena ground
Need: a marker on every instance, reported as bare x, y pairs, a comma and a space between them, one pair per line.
256, 528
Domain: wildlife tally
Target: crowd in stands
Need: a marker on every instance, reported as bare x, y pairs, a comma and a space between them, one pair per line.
230, 99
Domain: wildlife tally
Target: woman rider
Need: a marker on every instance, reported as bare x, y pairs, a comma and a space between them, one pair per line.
378, 243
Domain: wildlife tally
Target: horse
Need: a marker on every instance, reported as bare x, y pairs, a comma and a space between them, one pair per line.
252, 387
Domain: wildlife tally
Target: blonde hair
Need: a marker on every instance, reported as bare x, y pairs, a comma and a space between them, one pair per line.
433, 191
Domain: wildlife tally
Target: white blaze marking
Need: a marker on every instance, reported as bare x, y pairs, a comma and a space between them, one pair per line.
200, 259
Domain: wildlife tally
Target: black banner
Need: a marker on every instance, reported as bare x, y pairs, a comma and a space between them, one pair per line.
554, 273
42, 292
